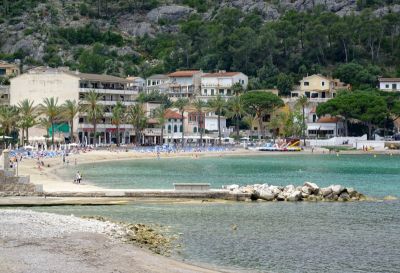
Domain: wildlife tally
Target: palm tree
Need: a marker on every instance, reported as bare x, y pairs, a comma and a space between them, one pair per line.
28, 115
70, 109
303, 103
236, 111
159, 114
118, 117
181, 103
52, 111
137, 117
94, 110
8, 119
237, 88
198, 104
218, 105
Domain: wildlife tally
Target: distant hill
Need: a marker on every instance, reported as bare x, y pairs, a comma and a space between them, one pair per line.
264, 39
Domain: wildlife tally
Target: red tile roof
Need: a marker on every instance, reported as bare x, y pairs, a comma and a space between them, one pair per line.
184, 73
171, 114
389, 79
221, 74
328, 120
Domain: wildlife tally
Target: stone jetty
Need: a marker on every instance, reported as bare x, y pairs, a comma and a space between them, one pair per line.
307, 192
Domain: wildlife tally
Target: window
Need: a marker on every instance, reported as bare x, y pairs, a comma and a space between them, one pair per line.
228, 92
333, 95
314, 95
169, 128
181, 128
314, 118
387, 86
175, 128
212, 92
205, 92
307, 94
394, 86
295, 95
242, 81
81, 120
194, 129
2, 71
306, 84
81, 96
221, 91
323, 83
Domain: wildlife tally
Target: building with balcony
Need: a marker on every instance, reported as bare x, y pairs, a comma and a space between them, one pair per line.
184, 84
136, 84
318, 88
157, 83
213, 84
4, 94
325, 127
9, 69
42, 82
389, 84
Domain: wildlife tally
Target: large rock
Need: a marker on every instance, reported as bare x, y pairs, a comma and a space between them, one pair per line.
294, 196
314, 187
337, 189
325, 191
171, 13
267, 195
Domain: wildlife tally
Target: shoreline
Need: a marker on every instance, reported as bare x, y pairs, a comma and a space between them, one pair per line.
52, 182
32, 241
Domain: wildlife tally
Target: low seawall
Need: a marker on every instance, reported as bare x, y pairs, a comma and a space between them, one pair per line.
211, 194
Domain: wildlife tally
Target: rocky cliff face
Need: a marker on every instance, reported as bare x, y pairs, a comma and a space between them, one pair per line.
30, 31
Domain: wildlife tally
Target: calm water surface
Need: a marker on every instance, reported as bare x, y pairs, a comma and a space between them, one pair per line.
270, 237
379, 175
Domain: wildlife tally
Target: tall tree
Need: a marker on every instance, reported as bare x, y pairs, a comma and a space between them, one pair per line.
94, 111
218, 105
70, 109
302, 102
236, 111
8, 119
27, 116
260, 103
237, 88
160, 115
117, 118
137, 117
52, 111
181, 104
198, 104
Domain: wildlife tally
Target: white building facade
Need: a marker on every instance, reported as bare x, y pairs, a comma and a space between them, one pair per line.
213, 84
40, 83
389, 84
184, 84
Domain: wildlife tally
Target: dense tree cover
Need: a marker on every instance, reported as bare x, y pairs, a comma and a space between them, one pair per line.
369, 107
258, 104
297, 44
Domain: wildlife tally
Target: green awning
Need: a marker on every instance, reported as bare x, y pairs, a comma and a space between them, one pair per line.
59, 128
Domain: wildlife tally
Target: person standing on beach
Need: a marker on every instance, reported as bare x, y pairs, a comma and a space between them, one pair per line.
78, 177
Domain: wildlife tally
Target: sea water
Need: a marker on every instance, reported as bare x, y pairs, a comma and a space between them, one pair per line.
373, 175
266, 236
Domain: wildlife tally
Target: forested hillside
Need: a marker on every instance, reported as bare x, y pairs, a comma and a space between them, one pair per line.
274, 42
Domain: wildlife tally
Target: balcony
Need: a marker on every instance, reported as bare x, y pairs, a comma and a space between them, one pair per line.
104, 126
152, 131
317, 100
108, 91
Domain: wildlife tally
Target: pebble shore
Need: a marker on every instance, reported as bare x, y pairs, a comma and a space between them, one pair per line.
37, 242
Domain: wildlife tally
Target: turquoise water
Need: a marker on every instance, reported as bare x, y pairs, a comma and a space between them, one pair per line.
270, 237
377, 176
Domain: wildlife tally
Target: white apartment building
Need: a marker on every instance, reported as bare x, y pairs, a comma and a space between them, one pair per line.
136, 84
157, 82
184, 84
213, 84
389, 84
40, 83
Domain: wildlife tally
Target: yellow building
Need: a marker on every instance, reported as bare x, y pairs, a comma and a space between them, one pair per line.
8, 69
318, 88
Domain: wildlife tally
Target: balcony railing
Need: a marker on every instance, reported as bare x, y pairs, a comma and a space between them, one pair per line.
152, 131
107, 91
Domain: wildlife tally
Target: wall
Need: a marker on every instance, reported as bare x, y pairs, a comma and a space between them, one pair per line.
37, 86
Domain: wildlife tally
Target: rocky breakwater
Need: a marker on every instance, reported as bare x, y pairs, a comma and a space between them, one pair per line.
308, 192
